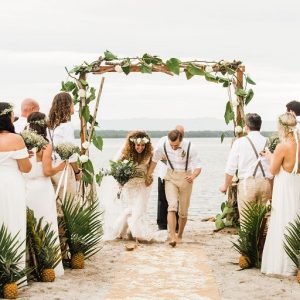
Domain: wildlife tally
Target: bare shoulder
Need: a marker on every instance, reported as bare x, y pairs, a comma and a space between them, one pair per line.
17, 140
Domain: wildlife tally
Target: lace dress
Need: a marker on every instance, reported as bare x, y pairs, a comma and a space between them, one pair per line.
285, 208
12, 195
131, 209
40, 197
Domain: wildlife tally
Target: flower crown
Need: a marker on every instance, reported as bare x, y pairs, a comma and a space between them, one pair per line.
7, 110
41, 122
139, 140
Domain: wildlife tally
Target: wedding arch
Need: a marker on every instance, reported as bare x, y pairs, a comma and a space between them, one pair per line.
231, 75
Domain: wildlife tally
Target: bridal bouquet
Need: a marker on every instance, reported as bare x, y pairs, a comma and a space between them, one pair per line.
33, 140
273, 142
66, 150
123, 171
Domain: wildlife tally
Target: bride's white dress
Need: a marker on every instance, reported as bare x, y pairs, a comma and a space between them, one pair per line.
129, 213
285, 207
40, 197
12, 196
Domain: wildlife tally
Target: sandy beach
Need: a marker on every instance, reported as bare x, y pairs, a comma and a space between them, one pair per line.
98, 278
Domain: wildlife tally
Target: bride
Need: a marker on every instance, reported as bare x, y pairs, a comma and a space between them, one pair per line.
126, 217
286, 197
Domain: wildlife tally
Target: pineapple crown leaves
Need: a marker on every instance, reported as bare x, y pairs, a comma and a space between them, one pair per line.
292, 241
11, 254
247, 243
83, 228
43, 244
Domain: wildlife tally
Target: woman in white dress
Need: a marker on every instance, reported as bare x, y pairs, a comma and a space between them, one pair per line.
13, 161
40, 195
128, 216
286, 197
61, 131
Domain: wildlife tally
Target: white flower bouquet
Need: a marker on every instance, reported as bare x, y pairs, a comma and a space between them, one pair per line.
66, 150
33, 140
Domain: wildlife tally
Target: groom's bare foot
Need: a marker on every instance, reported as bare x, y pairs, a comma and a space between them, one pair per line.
172, 243
179, 238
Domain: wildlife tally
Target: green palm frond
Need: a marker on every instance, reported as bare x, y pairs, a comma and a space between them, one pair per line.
11, 255
83, 227
247, 243
292, 241
43, 244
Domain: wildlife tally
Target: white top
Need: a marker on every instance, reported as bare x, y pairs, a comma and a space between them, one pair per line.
20, 124
243, 158
64, 133
178, 156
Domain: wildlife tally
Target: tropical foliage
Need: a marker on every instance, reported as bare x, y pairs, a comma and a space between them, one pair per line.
11, 255
82, 227
249, 234
43, 245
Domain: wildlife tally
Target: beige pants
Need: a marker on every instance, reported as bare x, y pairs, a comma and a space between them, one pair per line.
253, 190
71, 187
178, 192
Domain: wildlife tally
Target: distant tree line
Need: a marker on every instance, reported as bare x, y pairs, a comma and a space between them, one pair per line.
158, 134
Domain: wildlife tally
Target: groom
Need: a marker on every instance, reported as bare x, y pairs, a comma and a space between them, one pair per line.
183, 167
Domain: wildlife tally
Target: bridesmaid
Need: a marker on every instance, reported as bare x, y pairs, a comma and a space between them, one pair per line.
38, 181
61, 131
13, 162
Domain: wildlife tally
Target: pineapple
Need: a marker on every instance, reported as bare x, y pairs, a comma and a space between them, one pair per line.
249, 234
83, 230
48, 275
244, 262
77, 261
11, 254
43, 246
292, 243
10, 290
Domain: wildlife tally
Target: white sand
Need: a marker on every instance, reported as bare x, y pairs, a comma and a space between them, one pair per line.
96, 280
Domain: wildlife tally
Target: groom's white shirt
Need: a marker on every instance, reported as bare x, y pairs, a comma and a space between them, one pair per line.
243, 158
176, 157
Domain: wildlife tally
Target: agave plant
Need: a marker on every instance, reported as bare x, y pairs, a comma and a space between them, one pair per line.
248, 242
292, 243
11, 254
82, 230
43, 247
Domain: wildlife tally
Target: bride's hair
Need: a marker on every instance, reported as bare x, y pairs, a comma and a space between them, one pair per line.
287, 123
60, 111
37, 122
5, 117
129, 151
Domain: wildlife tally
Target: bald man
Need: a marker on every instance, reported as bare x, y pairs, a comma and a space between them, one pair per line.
28, 106
162, 204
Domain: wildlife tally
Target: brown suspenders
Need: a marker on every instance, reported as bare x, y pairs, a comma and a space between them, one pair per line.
187, 156
257, 156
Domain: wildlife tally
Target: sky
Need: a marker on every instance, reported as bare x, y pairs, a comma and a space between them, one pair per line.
39, 38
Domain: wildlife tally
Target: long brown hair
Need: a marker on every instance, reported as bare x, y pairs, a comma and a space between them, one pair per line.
37, 122
60, 111
129, 151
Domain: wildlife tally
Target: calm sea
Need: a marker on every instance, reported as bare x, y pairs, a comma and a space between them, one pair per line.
206, 199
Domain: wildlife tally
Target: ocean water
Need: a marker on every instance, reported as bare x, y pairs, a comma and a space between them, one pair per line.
206, 198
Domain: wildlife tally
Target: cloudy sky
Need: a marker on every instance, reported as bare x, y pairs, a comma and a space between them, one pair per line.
40, 38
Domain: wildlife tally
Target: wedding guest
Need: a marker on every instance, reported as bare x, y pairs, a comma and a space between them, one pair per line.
61, 131
13, 161
294, 107
183, 167
162, 203
40, 194
27, 107
285, 165
254, 175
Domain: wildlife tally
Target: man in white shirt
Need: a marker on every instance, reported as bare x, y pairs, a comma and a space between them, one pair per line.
162, 203
183, 167
294, 107
253, 170
28, 106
